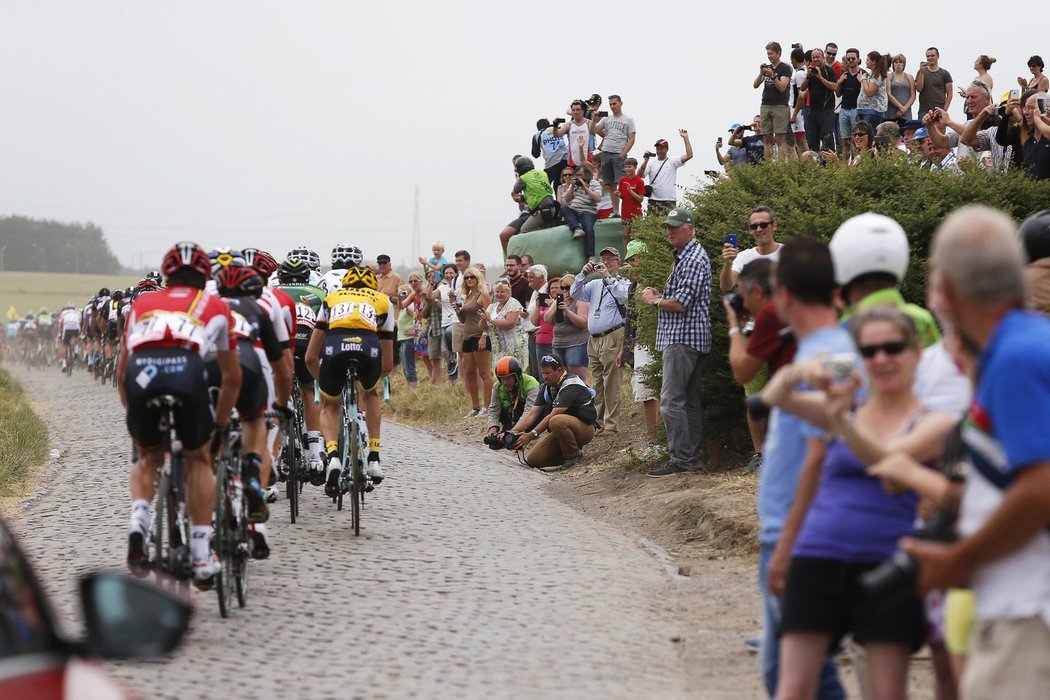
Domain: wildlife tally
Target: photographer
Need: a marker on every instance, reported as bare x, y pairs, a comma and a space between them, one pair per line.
583, 194
547, 143
513, 395
753, 145
821, 122
663, 173
775, 79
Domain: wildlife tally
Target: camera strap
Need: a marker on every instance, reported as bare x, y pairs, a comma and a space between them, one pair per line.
658, 170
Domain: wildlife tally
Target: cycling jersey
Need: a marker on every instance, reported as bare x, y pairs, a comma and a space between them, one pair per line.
178, 317
308, 301
285, 309
357, 309
274, 309
69, 320
332, 280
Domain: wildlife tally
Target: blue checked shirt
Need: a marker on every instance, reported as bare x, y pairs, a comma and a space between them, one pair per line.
689, 285
603, 295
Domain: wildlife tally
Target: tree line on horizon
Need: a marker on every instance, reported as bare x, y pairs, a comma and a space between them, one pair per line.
41, 245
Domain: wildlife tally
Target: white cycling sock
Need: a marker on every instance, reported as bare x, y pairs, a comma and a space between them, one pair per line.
313, 443
200, 542
140, 512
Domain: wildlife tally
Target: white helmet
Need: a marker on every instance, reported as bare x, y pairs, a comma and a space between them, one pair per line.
869, 243
344, 256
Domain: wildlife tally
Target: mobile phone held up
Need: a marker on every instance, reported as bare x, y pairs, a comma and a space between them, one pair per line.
731, 239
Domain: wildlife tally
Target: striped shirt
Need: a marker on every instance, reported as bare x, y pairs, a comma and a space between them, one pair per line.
689, 285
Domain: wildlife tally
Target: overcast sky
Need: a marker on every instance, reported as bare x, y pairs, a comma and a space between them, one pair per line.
275, 123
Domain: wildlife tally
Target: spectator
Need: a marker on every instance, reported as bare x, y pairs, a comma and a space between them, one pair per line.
433, 267
683, 335
1035, 239
453, 295
797, 102
982, 65
569, 317
504, 317
976, 97
583, 194
513, 395
536, 276
527, 261
663, 173
474, 354
863, 143
580, 139
519, 284
980, 135
436, 324
617, 131
546, 143
831, 50
849, 89
1035, 152
605, 205
406, 334
544, 299
775, 77
533, 189
565, 408
908, 135
872, 103
763, 226
933, 83
753, 145
444, 296
632, 191
1038, 81
755, 358
420, 304
939, 155
606, 295
822, 86
1003, 550
638, 356
389, 281
804, 291
737, 154
901, 93
890, 135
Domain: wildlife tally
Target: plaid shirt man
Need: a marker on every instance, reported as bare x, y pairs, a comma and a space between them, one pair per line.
690, 285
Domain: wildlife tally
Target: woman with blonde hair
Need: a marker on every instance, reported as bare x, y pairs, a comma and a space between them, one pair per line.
569, 317
505, 330
474, 363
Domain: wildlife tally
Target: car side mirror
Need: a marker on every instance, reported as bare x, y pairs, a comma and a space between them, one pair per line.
130, 619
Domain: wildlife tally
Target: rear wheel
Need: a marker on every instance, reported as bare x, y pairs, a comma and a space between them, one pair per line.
293, 456
160, 525
357, 476
225, 547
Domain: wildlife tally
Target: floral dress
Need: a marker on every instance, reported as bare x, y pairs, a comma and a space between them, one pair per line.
511, 341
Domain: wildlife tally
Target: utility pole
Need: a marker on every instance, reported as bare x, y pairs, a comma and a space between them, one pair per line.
416, 250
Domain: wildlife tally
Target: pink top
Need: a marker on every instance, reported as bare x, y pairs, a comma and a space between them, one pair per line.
545, 334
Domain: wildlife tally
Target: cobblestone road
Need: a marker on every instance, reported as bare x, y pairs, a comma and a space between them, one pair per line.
466, 581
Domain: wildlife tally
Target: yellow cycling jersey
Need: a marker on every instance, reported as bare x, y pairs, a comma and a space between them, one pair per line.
356, 308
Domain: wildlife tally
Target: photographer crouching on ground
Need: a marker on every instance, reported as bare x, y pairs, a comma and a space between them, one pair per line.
513, 395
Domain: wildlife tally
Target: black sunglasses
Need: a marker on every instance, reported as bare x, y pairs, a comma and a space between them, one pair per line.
760, 225
892, 348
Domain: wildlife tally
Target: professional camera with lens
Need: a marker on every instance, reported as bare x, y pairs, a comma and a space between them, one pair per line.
736, 302
501, 441
558, 121
648, 154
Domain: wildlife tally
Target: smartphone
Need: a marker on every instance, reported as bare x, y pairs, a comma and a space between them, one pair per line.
840, 365
731, 239
1040, 104
719, 141
1015, 94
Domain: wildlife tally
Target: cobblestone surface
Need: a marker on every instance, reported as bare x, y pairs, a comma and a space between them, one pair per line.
467, 579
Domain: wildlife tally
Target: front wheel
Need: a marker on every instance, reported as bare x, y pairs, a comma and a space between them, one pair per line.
224, 545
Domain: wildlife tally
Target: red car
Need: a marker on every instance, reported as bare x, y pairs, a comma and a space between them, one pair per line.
125, 618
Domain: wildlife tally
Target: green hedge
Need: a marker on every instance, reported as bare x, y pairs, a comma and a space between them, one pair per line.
813, 201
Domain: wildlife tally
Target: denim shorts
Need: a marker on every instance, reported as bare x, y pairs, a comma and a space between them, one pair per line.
574, 355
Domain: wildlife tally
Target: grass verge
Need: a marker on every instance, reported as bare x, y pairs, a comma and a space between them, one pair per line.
23, 440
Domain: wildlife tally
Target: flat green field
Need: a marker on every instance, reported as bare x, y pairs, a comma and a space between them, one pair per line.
28, 291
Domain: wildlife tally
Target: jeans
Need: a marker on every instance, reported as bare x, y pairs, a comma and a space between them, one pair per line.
847, 120
408, 359
452, 368
820, 126
582, 220
680, 404
871, 116
829, 687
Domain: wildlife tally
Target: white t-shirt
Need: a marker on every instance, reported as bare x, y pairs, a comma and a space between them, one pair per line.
448, 314
939, 384
575, 132
796, 86
746, 256
662, 176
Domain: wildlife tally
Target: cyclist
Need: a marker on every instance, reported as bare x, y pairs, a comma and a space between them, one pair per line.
308, 256
28, 337
354, 323
87, 330
343, 256
167, 334
68, 329
45, 332
256, 339
293, 279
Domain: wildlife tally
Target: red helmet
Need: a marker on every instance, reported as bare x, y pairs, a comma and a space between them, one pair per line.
237, 280
186, 255
147, 285
260, 260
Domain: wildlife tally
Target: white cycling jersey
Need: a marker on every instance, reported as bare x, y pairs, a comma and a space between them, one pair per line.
331, 280
69, 320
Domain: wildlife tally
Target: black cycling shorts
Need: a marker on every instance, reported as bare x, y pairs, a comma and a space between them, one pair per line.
341, 346
68, 336
160, 371
251, 401
302, 374
112, 332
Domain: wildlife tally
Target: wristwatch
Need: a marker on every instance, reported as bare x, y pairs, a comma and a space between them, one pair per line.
656, 302
534, 433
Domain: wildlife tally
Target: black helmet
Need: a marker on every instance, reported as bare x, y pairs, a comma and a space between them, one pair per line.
293, 269
523, 165
1035, 235
507, 366
104, 292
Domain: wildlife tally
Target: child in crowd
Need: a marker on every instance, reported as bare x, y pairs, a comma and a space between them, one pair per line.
433, 267
632, 192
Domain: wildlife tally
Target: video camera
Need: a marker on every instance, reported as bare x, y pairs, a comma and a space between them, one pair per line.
501, 441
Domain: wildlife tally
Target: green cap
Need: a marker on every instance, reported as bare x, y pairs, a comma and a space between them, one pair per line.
677, 217
634, 247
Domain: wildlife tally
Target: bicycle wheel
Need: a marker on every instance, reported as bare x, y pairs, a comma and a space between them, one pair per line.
160, 524
292, 455
223, 538
241, 556
357, 476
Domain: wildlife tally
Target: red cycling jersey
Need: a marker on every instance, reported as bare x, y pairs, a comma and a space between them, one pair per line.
179, 317
282, 307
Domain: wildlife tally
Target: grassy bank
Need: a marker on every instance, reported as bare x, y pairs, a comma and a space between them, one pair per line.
28, 291
23, 441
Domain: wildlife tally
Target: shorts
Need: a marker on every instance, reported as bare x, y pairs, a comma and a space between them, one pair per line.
251, 400
434, 347
302, 374
457, 337
471, 344
176, 372
774, 119
799, 127
612, 168
758, 381
340, 347
824, 596
69, 335
111, 330
642, 391
574, 355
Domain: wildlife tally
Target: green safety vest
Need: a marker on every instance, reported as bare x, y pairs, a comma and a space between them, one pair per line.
537, 186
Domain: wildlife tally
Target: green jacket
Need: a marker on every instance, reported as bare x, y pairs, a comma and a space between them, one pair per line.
504, 403
929, 333
537, 186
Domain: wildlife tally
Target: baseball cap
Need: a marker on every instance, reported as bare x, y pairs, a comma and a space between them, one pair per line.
635, 247
611, 250
382, 259
661, 142
920, 134
912, 124
736, 125
677, 217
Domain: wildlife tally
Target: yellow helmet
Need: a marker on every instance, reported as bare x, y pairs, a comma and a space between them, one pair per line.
357, 276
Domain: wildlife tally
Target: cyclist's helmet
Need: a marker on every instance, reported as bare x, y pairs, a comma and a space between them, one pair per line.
43, 311
238, 280
866, 244
224, 257
182, 256
358, 276
148, 284
70, 305
118, 294
310, 257
507, 366
104, 292
154, 275
344, 256
260, 261
1035, 235
293, 270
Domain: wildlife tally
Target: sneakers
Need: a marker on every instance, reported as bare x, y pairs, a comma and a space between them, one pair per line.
331, 486
753, 645
204, 571
567, 464
256, 497
260, 543
138, 555
315, 469
272, 494
373, 471
755, 464
669, 469
578, 233
474, 413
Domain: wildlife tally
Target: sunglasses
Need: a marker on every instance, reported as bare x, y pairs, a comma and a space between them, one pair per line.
760, 225
550, 360
892, 348
859, 133
833, 54
469, 277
